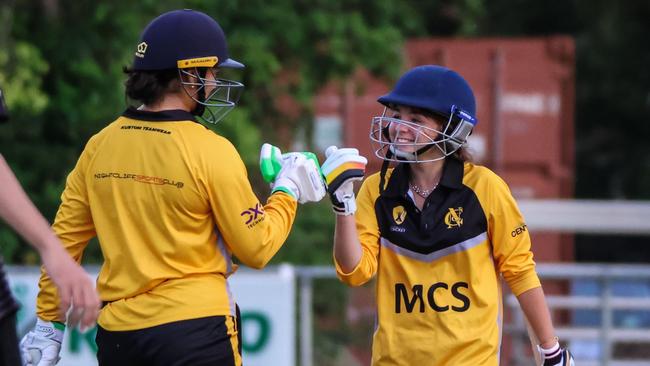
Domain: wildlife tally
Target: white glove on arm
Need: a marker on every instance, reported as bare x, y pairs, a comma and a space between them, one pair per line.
41, 346
556, 356
295, 173
341, 169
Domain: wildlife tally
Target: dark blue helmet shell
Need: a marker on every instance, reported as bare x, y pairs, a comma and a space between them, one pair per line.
182, 39
433, 88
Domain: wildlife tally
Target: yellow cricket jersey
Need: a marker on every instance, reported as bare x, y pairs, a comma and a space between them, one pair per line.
439, 269
169, 201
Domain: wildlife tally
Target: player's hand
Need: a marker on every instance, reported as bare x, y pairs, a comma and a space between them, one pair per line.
79, 299
300, 177
556, 356
41, 346
295, 173
270, 162
341, 169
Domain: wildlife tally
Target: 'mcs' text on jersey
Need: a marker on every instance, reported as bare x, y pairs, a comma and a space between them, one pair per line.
416, 299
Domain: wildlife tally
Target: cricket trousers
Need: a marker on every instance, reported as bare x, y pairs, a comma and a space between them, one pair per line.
209, 341
9, 354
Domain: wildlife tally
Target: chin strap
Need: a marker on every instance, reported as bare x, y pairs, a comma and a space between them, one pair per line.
384, 165
384, 169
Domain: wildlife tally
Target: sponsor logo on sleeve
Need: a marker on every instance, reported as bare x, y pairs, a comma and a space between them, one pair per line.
253, 215
519, 230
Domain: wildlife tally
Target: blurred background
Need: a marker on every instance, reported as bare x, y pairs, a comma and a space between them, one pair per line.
563, 91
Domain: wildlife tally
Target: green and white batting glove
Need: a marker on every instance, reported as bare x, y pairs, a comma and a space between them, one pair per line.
341, 169
41, 346
295, 173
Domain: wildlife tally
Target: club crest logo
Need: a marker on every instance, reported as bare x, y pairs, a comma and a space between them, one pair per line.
141, 49
399, 214
452, 218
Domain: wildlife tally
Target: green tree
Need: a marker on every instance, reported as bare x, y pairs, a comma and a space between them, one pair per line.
72, 53
22, 67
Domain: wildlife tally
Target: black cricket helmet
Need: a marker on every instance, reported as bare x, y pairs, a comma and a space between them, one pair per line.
195, 44
438, 90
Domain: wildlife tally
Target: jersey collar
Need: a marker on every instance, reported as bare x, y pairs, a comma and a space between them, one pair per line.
452, 173
162, 116
452, 177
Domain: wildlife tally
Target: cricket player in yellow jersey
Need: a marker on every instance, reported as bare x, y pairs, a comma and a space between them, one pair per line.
436, 230
170, 202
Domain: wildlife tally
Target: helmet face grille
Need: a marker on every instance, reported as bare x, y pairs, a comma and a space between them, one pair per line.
421, 144
434, 89
217, 96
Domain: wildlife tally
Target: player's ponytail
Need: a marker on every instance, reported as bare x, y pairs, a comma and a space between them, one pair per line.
463, 154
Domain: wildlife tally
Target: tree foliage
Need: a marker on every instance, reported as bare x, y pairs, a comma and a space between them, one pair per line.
61, 68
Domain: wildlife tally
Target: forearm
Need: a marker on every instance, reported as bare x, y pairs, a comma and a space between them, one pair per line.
21, 214
533, 304
347, 248
257, 236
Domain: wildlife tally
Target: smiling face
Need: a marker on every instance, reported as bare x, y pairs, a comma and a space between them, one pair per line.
412, 129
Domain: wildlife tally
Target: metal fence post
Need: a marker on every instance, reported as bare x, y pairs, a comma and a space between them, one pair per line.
306, 343
607, 320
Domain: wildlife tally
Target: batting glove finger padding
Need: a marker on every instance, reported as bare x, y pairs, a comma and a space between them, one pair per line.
270, 162
295, 173
341, 169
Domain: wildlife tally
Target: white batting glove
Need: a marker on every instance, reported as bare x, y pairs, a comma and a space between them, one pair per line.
341, 169
556, 356
300, 177
41, 346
